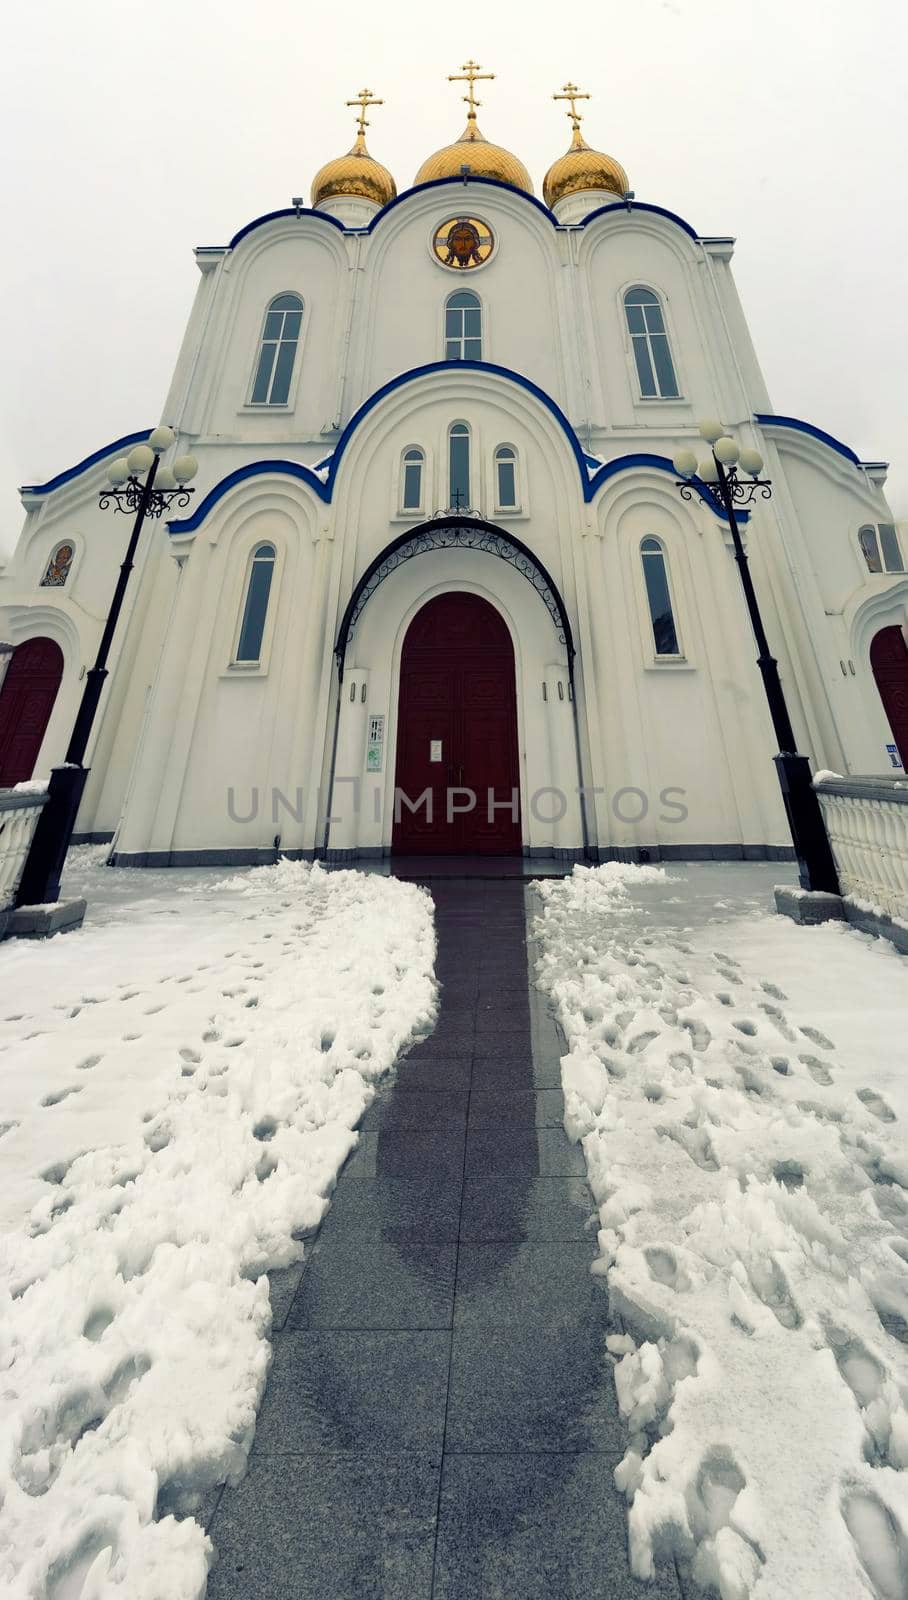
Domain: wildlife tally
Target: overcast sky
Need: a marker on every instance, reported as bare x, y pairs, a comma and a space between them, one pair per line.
134, 132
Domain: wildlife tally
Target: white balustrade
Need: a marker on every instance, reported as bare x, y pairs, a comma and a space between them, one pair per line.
867, 823
19, 812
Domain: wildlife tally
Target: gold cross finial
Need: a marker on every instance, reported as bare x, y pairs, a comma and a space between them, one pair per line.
569, 91
470, 74
363, 99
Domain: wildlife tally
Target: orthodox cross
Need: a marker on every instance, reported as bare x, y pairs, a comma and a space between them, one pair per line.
470, 74
363, 99
572, 93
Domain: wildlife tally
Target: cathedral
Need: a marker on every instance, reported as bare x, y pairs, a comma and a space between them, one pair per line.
436, 587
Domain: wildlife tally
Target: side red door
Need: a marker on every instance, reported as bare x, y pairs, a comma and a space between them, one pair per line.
26, 701
457, 729
889, 660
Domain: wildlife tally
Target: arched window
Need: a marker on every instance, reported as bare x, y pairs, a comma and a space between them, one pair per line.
463, 327
277, 353
659, 597
57, 570
459, 467
255, 610
412, 480
880, 548
646, 326
506, 478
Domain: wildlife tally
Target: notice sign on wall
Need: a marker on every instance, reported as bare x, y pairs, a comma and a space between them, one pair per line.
893, 754
376, 744
434, 749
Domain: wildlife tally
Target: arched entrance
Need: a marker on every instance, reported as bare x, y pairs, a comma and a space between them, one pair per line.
26, 702
457, 732
889, 660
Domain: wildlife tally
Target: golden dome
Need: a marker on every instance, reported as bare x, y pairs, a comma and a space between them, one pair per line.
583, 168
484, 160
356, 173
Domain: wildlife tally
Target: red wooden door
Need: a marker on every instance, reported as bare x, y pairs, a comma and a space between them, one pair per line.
889, 660
26, 701
457, 730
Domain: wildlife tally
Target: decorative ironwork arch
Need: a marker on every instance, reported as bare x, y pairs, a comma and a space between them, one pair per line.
455, 533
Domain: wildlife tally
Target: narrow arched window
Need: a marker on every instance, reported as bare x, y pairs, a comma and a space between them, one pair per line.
870, 548
658, 594
57, 570
255, 609
646, 326
459, 467
506, 478
412, 480
277, 352
463, 327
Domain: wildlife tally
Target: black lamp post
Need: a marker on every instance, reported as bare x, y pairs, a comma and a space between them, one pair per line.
163, 486
805, 819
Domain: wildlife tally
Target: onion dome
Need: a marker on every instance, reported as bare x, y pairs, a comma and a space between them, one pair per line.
357, 173
581, 167
472, 149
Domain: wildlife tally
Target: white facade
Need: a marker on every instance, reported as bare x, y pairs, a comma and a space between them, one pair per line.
199, 757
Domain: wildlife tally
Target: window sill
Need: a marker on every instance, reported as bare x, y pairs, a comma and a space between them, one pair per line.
249, 669
512, 513
667, 663
660, 400
409, 516
266, 406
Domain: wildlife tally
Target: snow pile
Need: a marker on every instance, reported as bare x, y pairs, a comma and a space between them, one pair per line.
179, 1090
742, 1112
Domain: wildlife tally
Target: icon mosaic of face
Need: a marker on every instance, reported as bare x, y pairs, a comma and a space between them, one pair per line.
463, 242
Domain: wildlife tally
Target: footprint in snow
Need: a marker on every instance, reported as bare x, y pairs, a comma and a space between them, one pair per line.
880, 1544
778, 1017
89, 1061
816, 1037
773, 990
701, 1038
876, 1105
781, 1065
724, 998
728, 960
728, 975
861, 1370
58, 1095
664, 1267
636, 1045
746, 1027
789, 1173
819, 1072
770, 1285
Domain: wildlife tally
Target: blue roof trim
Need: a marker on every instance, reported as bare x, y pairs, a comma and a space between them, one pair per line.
659, 464
641, 205
441, 183
287, 211
325, 490
815, 433
254, 469
127, 441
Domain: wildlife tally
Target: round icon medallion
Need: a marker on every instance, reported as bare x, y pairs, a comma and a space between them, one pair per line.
463, 242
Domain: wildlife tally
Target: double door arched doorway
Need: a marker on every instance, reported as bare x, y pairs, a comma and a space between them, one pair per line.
27, 697
889, 660
457, 777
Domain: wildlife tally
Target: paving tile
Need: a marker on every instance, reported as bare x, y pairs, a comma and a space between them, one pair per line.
547, 1152
425, 1209
373, 1282
509, 1209
365, 1391
500, 1284
527, 1388
512, 1068
431, 1073
535, 1527
449, 1042
496, 1107
327, 1528
404, 1152
415, 1108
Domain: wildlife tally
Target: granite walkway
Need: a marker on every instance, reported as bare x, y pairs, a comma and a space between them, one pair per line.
439, 1421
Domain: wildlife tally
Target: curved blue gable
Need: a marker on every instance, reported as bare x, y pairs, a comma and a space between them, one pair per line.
815, 433
324, 490
440, 183
126, 443
641, 205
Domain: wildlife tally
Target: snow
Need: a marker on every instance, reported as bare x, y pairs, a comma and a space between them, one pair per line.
30, 786
739, 1085
180, 1082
